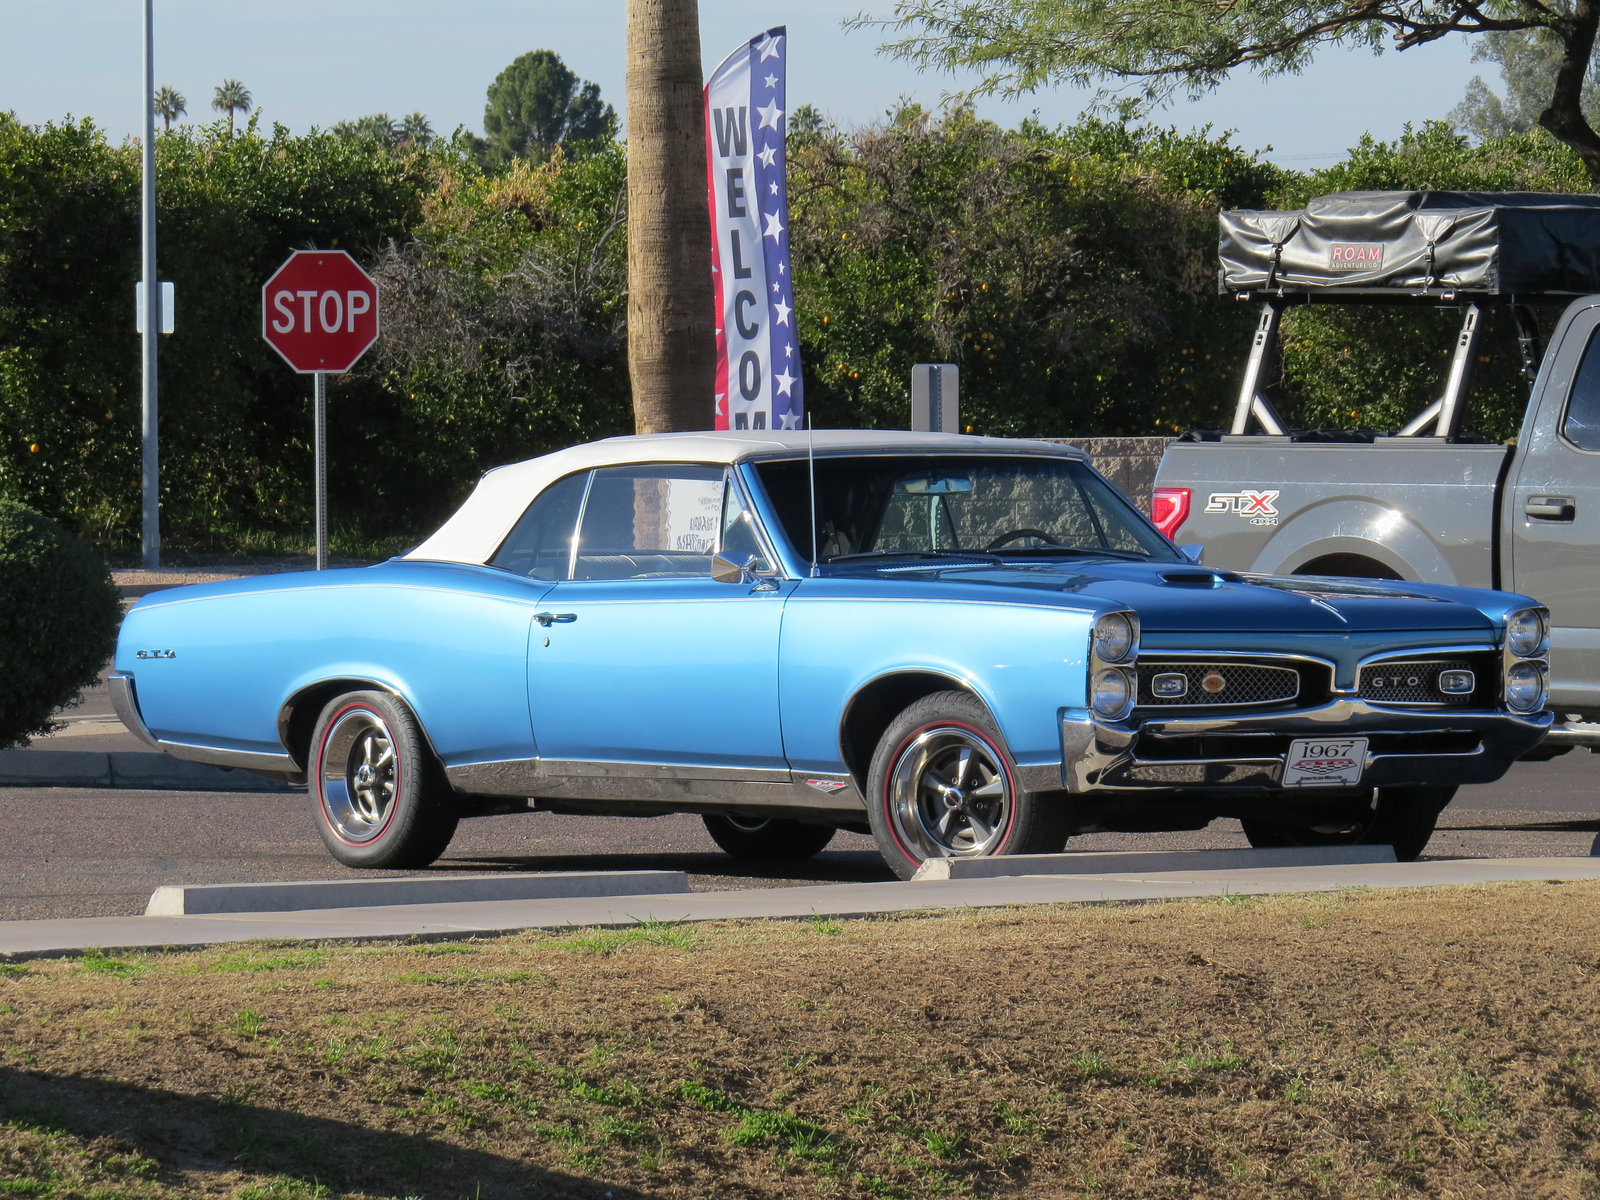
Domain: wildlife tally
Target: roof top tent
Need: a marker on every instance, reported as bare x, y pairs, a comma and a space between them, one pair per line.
1471, 249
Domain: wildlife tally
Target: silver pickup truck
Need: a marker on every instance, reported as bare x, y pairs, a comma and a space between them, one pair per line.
1424, 504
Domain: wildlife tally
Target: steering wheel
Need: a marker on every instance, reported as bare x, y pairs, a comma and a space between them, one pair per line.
1017, 535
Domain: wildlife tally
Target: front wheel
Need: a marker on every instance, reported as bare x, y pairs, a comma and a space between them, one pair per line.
1402, 817
773, 838
381, 800
943, 785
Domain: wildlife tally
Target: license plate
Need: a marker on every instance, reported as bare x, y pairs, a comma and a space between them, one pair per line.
1324, 762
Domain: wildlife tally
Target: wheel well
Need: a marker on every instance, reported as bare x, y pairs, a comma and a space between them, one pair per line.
872, 709
1356, 566
298, 720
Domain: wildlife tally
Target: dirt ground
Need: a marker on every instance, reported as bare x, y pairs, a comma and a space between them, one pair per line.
1442, 1043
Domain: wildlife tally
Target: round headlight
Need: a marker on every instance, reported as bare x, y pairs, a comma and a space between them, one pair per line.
1113, 638
1526, 633
1112, 694
1525, 687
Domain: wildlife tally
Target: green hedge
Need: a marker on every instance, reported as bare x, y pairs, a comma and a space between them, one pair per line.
58, 620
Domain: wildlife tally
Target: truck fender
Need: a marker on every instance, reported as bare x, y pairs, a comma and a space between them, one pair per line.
1364, 528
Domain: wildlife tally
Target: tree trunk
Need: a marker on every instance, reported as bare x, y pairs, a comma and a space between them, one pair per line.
671, 345
1564, 119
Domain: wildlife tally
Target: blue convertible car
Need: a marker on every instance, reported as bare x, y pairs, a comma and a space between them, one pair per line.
967, 645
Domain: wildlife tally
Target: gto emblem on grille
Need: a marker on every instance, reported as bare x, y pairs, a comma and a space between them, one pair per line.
156, 654
1214, 682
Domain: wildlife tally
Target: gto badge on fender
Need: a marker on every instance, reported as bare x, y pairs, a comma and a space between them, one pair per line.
156, 654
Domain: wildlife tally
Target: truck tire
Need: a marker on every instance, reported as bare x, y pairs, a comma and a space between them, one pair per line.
1404, 817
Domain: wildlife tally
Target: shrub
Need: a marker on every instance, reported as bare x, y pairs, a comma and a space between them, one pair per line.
58, 620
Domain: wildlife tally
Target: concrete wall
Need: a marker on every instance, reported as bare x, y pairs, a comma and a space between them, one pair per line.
1129, 462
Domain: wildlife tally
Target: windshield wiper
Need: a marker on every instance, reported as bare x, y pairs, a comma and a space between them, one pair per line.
980, 555
1074, 551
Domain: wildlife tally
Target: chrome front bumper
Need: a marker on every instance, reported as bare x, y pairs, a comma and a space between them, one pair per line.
1246, 753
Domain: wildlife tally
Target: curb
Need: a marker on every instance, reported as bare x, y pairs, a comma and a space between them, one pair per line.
125, 769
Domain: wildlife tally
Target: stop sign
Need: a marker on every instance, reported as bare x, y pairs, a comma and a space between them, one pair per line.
320, 311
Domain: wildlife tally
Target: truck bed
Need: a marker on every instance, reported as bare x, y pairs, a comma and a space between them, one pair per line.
1417, 508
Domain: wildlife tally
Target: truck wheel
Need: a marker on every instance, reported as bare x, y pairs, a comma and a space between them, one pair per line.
943, 785
768, 837
1404, 817
381, 800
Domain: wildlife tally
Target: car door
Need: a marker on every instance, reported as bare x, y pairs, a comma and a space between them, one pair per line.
1553, 511
641, 664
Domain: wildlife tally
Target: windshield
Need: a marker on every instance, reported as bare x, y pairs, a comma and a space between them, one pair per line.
926, 505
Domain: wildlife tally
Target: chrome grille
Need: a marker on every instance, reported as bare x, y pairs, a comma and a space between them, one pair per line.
1414, 681
1242, 684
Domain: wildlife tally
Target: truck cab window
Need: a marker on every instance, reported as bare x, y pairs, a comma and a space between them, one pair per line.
1581, 424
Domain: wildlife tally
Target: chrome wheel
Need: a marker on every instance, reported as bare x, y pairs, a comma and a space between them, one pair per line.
359, 774
950, 794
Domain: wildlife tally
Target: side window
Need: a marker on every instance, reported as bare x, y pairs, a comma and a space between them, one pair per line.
540, 544
650, 522
1581, 424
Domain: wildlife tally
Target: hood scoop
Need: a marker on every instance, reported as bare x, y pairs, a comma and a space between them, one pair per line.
1193, 578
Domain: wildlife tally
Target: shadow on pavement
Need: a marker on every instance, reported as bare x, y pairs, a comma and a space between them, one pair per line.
208, 1134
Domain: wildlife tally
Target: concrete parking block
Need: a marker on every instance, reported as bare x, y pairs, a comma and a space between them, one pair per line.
1141, 862
194, 900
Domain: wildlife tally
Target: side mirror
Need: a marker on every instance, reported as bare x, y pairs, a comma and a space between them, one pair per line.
1192, 552
738, 569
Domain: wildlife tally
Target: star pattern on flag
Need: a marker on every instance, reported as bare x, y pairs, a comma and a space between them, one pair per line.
772, 81
789, 420
770, 112
783, 311
769, 47
785, 382
774, 229
767, 155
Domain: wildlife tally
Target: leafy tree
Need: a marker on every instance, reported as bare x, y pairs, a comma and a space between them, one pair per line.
1528, 60
416, 130
377, 127
169, 105
671, 332
231, 97
1159, 48
537, 104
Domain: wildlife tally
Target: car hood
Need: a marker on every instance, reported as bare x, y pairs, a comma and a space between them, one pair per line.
1181, 597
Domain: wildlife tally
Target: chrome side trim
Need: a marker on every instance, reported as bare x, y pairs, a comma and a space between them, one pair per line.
125, 703
243, 760
656, 785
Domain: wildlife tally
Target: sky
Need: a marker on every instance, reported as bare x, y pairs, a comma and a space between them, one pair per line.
315, 62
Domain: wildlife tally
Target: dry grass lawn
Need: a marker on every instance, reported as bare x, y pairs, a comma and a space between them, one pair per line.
1442, 1043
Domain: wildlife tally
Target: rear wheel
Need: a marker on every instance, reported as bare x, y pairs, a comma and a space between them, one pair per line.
943, 785
768, 837
381, 800
1402, 817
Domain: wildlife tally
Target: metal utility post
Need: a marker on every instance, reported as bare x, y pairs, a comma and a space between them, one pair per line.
150, 475
320, 452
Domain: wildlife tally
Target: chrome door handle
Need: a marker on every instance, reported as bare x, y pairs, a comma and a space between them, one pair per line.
549, 619
1551, 508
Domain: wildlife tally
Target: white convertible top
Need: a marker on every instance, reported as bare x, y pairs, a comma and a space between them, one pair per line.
478, 527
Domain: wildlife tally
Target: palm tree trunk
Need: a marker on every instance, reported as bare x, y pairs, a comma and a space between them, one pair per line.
671, 349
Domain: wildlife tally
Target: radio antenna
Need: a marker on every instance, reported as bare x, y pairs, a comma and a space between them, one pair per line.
811, 476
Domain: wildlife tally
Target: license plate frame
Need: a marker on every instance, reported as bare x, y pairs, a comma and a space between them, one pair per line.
1325, 762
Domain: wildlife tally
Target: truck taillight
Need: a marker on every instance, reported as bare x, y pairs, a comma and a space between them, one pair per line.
1169, 509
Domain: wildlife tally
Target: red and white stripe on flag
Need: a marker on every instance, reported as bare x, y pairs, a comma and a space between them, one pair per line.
758, 358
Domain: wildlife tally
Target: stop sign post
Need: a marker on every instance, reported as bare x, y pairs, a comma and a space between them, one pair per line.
320, 312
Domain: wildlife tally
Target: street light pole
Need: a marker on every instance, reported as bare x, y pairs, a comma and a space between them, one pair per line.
150, 473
